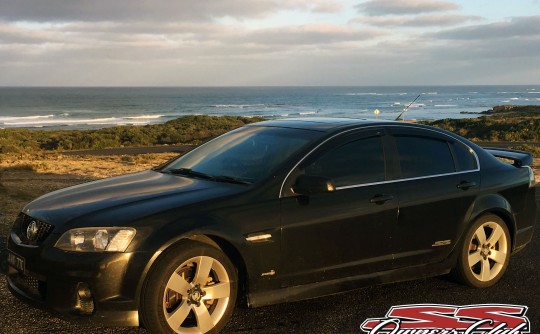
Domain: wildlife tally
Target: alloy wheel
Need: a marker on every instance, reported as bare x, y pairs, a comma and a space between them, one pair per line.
196, 295
488, 250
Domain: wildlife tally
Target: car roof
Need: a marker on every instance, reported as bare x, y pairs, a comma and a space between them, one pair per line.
334, 125
322, 124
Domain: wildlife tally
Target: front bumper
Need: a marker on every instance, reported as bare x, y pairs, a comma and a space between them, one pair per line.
59, 281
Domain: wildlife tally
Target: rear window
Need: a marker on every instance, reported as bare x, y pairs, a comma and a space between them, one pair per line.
423, 156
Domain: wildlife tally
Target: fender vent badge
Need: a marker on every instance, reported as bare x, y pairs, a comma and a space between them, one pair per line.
441, 243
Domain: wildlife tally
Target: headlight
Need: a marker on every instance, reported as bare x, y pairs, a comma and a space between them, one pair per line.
96, 239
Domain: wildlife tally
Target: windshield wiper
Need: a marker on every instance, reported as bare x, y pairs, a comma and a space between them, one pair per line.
190, 172
231, 179
220, 178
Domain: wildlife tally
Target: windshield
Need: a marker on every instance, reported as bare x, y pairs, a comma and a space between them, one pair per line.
245, 155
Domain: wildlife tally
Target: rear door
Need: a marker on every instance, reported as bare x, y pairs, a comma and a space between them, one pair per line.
437, 183
346, 232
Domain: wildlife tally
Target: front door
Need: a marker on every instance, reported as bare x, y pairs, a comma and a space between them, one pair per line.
346, 232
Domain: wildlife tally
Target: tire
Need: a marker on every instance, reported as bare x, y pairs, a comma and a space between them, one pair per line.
192, 288
485, 252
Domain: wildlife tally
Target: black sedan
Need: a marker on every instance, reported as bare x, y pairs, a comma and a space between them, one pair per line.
273, 212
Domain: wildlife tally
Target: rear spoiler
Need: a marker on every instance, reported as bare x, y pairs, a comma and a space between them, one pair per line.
519, 158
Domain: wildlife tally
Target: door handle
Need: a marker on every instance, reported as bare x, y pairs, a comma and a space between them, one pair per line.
464, 185
381, 199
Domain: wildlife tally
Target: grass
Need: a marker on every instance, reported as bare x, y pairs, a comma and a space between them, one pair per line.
91, 167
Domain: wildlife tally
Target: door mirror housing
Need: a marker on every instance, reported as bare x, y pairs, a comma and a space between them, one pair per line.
307, 184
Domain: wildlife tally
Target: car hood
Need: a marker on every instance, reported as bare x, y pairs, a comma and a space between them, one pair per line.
125, 197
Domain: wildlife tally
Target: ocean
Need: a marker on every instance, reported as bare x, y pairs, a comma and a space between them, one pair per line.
90, 108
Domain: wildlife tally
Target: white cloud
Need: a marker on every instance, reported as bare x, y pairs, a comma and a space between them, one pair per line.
156, 10
404, 7
314, 34
515, 27
427, 20
302, 42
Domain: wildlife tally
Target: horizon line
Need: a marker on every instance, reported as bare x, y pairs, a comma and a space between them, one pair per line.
267, 86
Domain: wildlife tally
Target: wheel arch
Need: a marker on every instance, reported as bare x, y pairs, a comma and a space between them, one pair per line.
233, 254
497, 205
509, 221
222, 244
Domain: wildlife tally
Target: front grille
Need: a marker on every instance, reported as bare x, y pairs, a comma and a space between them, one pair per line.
30, 285
31, 231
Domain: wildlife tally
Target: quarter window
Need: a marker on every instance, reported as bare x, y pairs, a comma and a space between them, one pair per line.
357, 162
423, 156
465, 159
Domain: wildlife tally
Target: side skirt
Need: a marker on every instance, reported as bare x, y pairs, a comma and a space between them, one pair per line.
320, 289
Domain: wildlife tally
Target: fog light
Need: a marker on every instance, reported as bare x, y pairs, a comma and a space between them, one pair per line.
83, 291
84, 302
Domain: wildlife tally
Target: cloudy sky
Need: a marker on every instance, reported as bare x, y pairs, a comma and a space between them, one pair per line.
268, 42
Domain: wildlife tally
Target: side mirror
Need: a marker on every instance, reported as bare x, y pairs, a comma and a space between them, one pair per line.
306, 185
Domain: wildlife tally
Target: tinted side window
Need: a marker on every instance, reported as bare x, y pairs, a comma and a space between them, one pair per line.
423, 156
465, 159
357, 162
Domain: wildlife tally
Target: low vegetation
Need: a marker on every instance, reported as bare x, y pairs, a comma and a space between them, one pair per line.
515, 124
185, 130
504, 123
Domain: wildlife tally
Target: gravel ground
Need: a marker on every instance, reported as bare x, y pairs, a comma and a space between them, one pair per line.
341, 313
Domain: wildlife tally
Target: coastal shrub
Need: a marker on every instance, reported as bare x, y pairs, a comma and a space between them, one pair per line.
9, 149
193, 130
493, 128
184, 130
16, 141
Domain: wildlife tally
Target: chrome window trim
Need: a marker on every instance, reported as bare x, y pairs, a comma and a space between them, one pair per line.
404, 180
389, 181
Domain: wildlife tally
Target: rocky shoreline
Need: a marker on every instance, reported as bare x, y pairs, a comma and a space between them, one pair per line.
507, 109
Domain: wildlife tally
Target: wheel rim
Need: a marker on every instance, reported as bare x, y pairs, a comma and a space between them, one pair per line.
487, 251
197, 295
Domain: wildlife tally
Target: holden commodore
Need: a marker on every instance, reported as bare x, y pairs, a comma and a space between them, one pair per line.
273, 212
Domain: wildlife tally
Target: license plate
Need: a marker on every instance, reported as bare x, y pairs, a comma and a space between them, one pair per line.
16, 261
